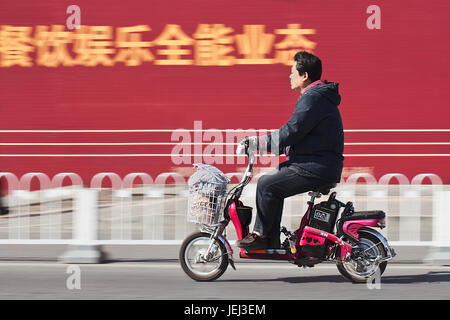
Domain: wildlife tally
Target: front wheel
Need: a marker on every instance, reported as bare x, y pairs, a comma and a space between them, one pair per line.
195, 261
366, 263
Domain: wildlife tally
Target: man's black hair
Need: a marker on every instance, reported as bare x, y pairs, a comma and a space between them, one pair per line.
307, 62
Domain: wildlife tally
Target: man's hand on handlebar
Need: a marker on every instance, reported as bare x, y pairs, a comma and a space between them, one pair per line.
248, 144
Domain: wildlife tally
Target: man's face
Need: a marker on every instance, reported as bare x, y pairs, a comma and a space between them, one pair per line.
297, 81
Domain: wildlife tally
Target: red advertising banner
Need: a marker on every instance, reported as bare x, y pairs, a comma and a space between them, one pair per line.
155, 86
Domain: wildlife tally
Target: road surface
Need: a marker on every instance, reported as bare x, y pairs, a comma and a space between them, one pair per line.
165, 280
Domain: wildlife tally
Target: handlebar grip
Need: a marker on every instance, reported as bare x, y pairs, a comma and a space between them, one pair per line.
247, 143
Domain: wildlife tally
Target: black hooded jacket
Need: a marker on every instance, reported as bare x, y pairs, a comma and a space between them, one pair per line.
313, 137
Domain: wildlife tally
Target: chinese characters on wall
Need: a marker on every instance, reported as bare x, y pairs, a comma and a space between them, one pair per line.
209, 45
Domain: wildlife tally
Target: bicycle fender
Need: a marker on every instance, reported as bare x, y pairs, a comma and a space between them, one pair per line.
229, 250
389, 251
228, 247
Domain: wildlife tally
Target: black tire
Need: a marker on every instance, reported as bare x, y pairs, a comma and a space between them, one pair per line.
221, 257
343, 266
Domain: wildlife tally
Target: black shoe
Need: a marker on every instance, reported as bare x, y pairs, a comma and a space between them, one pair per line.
253, 242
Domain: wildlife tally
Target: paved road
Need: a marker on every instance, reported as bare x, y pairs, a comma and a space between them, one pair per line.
164, 279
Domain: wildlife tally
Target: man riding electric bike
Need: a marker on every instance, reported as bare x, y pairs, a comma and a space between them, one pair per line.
313, 141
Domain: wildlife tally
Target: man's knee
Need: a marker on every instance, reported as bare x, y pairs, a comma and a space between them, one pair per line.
264, 185
262, 182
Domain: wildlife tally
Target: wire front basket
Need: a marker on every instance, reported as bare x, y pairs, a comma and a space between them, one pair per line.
207, 192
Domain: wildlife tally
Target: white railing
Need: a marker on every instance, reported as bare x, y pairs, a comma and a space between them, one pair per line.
153, 212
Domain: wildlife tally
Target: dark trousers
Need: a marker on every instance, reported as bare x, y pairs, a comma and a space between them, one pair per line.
287, 180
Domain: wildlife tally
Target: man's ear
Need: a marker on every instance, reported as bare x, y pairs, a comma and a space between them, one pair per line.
304, 76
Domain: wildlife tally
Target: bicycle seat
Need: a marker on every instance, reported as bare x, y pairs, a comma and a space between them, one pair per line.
324, 189
361, 215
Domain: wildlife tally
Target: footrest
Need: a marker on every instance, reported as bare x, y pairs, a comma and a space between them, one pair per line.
266, 251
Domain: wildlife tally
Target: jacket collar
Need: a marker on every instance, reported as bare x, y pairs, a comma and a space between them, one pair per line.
316, 83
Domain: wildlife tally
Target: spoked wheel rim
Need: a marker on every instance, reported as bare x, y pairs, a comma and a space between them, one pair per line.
196, 260
365, 267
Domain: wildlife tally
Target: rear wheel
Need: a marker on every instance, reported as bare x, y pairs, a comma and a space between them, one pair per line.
366, 263
195, 261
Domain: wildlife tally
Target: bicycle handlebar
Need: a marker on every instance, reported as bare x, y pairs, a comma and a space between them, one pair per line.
251, 160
